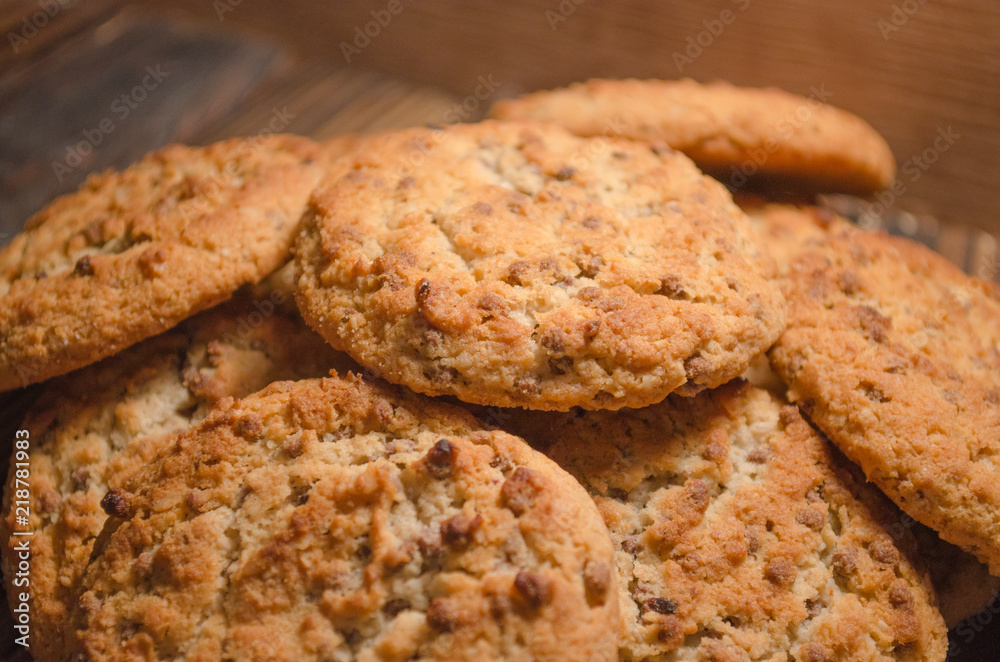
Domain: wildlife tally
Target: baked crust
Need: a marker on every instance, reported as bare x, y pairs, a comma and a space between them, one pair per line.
740, 534
894, 353
92, 429
725, 129
133, 253
342, 519
512, 264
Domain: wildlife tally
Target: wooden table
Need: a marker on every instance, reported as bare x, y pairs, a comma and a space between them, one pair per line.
95, 84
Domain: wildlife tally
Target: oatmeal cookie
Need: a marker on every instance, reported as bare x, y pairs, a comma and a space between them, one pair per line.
92, 429
740, 534
512, 264
894, 354
733, 132
345, 519
133, 253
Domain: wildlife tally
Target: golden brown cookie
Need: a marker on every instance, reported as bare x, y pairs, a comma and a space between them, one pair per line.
134, 252
733, 132
92, 429
340, 519
895, 354
963, 584
741, 535
788, 230
513, 264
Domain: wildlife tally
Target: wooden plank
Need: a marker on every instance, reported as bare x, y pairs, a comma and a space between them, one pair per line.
324, 99
32, 27
909, 74
103, 98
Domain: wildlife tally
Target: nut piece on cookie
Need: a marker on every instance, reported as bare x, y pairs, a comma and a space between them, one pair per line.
388, 534
132, 253
513, 264
93, 428
733, 132
894, 353
741, 535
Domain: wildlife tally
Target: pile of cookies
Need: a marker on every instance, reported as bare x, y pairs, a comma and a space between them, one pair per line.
509, 400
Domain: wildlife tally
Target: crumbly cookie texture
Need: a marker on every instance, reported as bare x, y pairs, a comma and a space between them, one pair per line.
894, 353
963, 584
133, 253
741, 535
512, 264
92, 429
731, 131
788, 230
338, 519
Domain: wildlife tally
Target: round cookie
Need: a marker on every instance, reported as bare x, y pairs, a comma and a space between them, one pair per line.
134, 252
92, 429
963, 584
340, 519
742, 535
512, 264
733, 132
895, 354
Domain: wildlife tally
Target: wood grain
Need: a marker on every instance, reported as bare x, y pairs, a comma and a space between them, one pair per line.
937, 69
103, 97
257, 64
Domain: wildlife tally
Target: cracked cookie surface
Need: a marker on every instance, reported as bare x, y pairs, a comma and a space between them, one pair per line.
512, 264
741, 535
895, 354
92, 429
341, 519
725, 129
132, 253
